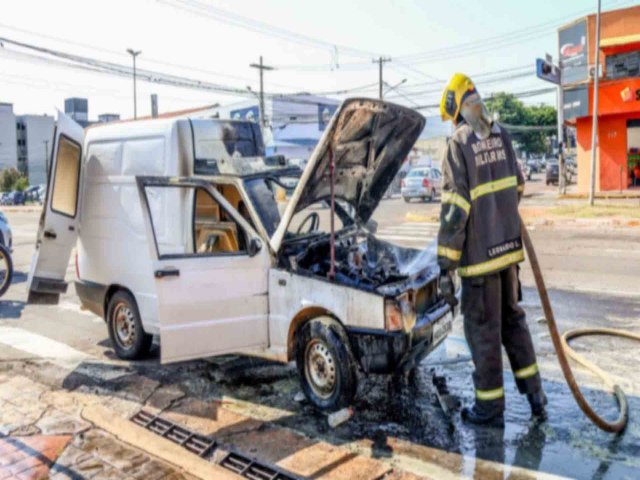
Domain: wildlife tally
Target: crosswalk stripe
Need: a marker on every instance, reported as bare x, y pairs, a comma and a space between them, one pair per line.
408, 238
40, 346
413, 234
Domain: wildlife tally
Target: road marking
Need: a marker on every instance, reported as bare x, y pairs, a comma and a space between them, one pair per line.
414, 234
40, 346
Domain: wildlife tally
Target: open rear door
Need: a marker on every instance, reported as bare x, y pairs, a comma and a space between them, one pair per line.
58, 229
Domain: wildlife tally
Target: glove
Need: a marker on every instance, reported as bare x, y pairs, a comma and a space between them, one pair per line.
448, 288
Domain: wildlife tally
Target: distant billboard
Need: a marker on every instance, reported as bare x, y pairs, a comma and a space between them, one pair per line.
251, 114
325, 112
574, 53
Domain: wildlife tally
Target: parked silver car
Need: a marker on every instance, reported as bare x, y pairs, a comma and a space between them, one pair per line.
421, 182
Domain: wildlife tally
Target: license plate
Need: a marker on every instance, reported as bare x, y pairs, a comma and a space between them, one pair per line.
441, 328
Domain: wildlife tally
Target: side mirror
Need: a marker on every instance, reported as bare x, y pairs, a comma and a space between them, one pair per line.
255, 245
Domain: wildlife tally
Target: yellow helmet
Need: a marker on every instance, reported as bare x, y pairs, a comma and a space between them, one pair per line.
458, 88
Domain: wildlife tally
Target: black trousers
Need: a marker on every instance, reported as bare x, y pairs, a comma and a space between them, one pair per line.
492, 319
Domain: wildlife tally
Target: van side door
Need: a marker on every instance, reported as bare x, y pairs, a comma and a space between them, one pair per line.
58, 229
210, 268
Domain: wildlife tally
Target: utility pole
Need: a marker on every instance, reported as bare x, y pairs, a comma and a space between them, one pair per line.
46, 156
261, 67
594, 126
562, 164
380, 61
134, 54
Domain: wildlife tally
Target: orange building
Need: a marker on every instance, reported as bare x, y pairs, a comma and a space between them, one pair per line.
618, 145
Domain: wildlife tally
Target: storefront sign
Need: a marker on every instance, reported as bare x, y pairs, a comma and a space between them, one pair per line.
576, 103
573, 53
628, 95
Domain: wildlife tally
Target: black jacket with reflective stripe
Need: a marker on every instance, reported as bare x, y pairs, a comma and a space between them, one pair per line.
479, 222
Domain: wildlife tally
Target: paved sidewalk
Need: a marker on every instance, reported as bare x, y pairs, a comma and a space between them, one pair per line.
44, 436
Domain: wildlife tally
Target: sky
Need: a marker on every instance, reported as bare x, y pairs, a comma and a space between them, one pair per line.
315, 47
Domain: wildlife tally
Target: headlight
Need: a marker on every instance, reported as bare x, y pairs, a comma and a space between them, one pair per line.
392, 315
400, 313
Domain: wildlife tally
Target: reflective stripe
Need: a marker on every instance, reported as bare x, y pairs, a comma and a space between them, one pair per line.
455, 199
491, 187
490, 394
526, 372
491, 265
450, 253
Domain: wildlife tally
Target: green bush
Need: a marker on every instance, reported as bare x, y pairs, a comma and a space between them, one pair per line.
21, 184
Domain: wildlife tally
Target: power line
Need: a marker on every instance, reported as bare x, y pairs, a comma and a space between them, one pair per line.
208, 10
469, 48
94, 65
525, 94
147, 59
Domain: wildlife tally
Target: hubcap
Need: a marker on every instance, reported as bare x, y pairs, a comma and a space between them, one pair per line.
320, 369
125, 326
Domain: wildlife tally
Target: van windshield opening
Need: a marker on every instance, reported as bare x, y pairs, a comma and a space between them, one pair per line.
261, 193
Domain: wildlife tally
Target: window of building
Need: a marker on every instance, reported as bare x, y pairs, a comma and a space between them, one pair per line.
623, 65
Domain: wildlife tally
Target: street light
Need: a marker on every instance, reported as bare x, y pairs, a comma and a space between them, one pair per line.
134, 54
391, 88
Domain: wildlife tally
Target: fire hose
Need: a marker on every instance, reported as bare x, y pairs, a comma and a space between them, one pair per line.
564, 351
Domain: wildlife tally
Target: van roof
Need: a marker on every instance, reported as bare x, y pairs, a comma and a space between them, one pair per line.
160, 126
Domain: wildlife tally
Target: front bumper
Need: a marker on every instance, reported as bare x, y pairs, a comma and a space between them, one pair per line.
380, 351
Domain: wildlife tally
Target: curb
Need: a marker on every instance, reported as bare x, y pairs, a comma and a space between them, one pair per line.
154, 445
14, 209
601, 196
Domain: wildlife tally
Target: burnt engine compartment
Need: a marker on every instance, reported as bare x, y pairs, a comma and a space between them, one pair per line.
361, 261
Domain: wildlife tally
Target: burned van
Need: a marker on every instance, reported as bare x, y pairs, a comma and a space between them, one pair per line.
207, 258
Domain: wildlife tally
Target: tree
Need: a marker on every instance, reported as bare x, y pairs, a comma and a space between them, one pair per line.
513, 113
8, 178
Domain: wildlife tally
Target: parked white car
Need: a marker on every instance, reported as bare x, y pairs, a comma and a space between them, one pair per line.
178, 234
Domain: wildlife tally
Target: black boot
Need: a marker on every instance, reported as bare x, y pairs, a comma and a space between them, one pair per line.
483, 414
537, 401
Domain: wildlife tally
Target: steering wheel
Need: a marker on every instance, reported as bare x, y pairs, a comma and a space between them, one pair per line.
314, 218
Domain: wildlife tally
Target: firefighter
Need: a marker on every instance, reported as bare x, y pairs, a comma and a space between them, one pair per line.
480, 237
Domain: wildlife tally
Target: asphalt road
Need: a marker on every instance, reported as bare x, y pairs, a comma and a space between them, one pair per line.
593, 277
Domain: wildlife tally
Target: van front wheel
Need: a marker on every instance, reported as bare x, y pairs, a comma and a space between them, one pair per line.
325, 364
128, 338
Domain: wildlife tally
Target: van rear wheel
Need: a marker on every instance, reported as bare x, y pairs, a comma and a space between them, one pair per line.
128, 338
325, 364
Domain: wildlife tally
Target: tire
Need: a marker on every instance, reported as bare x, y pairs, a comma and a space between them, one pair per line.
128, 338
325, 364
406, 199
6, 268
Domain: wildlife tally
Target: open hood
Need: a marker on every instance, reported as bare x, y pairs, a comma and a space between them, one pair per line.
369, 140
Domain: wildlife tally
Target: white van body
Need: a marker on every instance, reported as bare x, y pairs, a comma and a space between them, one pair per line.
112, 240
126, 195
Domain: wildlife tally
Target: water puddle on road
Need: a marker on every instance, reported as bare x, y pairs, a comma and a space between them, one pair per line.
402, 421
